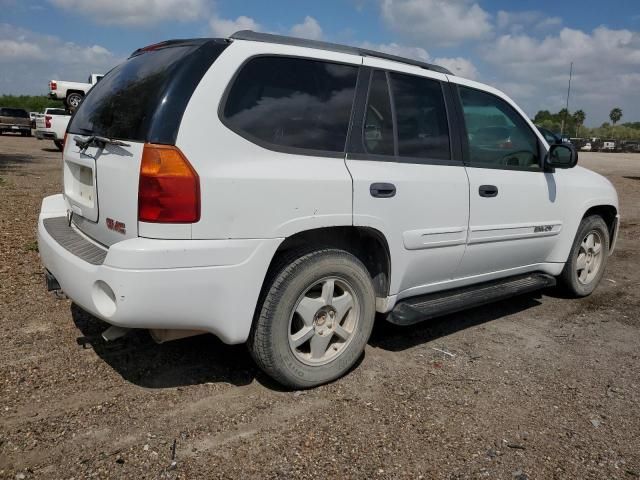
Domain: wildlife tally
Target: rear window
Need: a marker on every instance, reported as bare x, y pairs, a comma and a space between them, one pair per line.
292, 103
13, 112
143, 99
57, 111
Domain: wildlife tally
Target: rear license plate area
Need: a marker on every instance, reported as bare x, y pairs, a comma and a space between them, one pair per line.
81, 189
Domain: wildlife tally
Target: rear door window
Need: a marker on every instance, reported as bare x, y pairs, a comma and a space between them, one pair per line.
287, 103
421, 117
378, 126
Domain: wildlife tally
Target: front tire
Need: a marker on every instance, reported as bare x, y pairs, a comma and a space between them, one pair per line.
588, 258
315, 319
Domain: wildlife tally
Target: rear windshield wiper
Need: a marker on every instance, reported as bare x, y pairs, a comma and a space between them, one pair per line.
97, 141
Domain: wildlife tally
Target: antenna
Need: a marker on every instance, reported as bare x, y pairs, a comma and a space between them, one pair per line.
566, 111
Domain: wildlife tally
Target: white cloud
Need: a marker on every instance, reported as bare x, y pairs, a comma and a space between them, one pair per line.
437, 22
309, 28
459, 66
416, 53
21, 50
135, 12
535, 71
223, 27
28, 60
518, 22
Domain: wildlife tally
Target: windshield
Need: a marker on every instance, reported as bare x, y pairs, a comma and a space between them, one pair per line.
143, 99
13, 112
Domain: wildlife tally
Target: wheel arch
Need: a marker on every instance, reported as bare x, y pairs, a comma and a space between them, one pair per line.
609, 214
80, 92
367, 244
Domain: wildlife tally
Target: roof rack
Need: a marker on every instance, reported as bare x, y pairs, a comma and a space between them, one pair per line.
331, 47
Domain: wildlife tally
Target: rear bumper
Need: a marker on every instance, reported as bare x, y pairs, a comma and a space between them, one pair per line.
210, 285
45, 135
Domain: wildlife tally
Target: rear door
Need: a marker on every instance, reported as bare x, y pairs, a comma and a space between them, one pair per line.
141, 100
515, 213
408, 178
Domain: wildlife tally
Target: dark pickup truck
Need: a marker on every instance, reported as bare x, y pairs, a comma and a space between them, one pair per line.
15, 120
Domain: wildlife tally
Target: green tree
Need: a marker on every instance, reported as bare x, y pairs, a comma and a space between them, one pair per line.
542, 115
579, 117
615, 115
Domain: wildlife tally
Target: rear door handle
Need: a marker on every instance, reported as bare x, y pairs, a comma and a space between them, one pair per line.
382, 190
488, 191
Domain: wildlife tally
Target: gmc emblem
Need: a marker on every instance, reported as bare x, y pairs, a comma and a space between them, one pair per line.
116, 226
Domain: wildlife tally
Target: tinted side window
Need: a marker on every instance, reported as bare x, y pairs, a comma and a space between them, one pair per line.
378, 126
421, 117
293, 102
498, 136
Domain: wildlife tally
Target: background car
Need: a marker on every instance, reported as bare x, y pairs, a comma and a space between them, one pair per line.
15, 120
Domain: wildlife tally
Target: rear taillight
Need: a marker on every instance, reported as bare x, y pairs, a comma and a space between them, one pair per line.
47, 121
169, 187
53, 85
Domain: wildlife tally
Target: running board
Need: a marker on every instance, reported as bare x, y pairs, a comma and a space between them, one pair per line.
416, 309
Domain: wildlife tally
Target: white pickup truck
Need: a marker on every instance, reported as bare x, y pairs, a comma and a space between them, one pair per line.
52, 125
72, 93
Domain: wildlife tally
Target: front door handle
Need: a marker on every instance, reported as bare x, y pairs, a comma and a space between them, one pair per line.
488, 191
382, 190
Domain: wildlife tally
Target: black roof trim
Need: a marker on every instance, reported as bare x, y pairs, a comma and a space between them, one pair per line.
332, 47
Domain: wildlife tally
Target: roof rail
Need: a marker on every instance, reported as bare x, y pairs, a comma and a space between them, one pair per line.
331, 47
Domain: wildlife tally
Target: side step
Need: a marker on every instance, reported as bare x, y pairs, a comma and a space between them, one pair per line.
416, 309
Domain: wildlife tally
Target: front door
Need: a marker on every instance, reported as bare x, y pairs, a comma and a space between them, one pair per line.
514, 215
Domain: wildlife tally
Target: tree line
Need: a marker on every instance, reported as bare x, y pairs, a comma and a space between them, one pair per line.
31, 103
572, 125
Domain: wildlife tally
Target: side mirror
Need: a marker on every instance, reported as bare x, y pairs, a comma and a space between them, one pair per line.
561, 156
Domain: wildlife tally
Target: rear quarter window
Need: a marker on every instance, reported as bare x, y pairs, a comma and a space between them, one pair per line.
292, 103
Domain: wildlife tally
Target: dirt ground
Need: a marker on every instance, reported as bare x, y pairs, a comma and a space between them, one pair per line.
536, 387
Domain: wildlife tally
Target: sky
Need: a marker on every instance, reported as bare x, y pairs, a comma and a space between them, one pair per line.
522, 47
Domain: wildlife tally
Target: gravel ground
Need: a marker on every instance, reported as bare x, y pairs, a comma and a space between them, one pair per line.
535, 387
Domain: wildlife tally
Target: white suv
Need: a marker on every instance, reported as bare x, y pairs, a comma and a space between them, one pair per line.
280, 192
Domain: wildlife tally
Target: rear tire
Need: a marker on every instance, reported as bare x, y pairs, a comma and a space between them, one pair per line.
59, 144
315, 318
588, 258
73, 101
